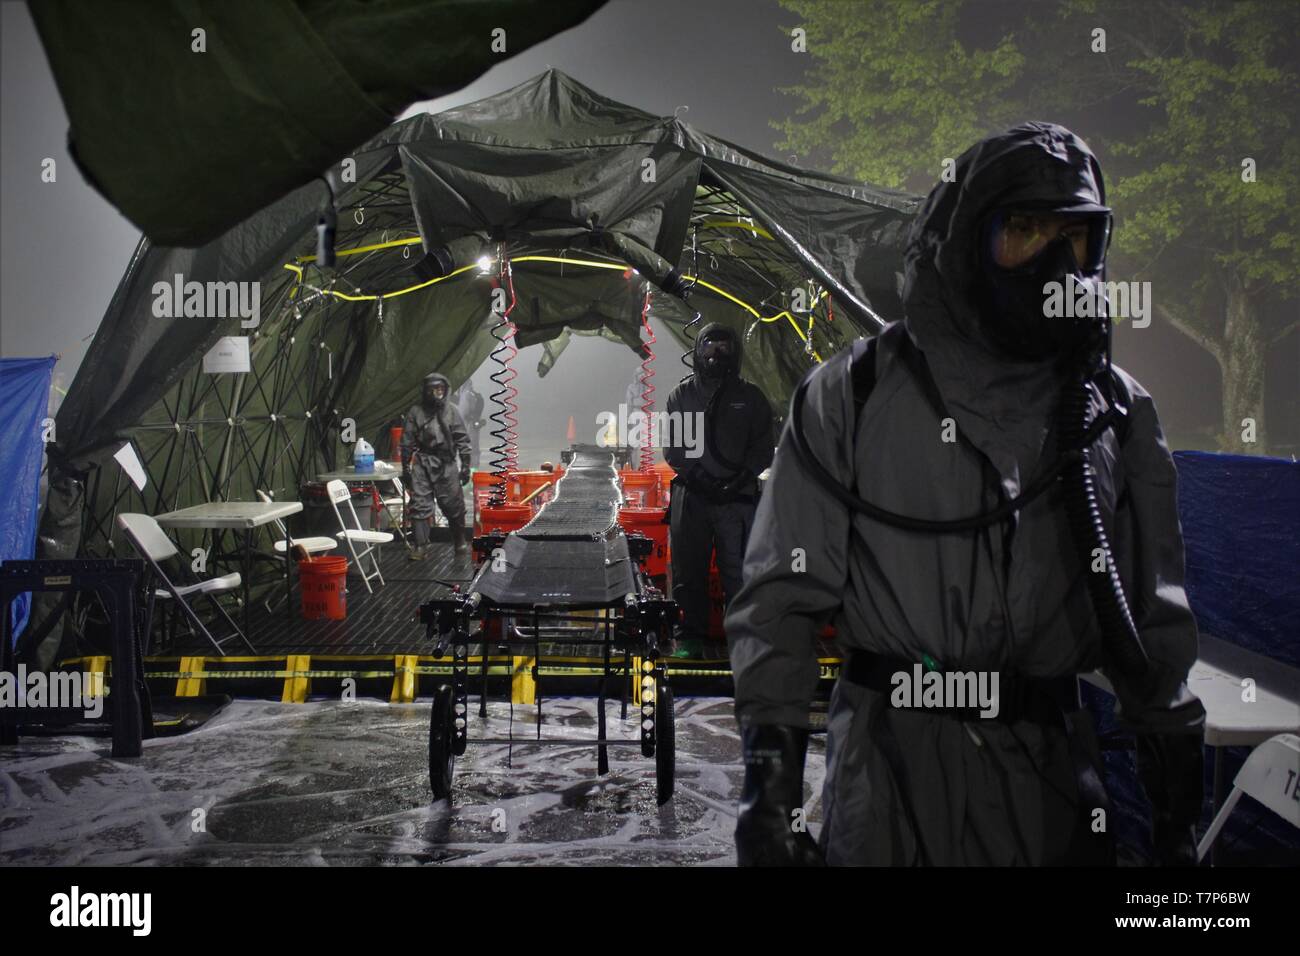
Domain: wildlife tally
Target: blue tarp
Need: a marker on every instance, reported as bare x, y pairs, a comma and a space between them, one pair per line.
24, 401
1241, 529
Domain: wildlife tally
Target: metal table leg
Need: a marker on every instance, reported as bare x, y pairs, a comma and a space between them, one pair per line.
248, 575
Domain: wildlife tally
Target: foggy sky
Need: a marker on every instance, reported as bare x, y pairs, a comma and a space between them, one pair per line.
63, 248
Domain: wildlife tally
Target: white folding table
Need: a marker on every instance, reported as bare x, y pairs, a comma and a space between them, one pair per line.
1217, 678
245, 516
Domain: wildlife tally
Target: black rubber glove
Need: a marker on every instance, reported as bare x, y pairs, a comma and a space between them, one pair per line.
766, 832
1172, 770
464, 472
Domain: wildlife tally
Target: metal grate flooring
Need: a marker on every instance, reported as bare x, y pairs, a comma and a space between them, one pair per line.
383, 622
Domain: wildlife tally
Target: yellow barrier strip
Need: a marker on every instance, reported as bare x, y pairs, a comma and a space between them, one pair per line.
404, 679
297, 689
191, 686
95, 667
523, 689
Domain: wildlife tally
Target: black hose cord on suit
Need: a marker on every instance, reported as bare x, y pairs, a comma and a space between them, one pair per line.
1120, 638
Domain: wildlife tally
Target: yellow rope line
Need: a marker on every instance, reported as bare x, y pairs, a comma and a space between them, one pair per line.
589, 263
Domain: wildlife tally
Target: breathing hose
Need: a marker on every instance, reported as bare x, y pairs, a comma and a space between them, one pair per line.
1073, 465
1120, 638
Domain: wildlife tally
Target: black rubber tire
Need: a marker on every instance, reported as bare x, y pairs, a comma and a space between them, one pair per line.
665, 747
442, 755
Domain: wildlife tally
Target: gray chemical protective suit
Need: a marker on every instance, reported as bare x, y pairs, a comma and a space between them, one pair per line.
437, 446
712, 502
1010, 598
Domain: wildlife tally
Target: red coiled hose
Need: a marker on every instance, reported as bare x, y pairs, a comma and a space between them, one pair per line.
505, 453
647, 389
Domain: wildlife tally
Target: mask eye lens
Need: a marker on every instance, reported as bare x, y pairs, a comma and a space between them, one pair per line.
1018, 237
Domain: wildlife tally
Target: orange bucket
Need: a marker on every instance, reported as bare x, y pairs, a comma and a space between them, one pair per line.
666, 475
640, 488
650, 522
395, 443
323, 585
524, 483
505, 517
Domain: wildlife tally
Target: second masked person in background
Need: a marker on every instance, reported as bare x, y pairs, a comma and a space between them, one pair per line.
716, 488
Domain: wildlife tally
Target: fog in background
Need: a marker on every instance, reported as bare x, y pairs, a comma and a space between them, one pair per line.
63, 248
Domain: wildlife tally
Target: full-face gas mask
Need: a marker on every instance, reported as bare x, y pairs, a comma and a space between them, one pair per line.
716, 356
434, 392
1043, 289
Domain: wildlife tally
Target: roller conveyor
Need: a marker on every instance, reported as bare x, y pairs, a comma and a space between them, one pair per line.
572, 552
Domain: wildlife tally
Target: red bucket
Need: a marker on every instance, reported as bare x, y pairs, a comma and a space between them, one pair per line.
323, 584
650, 522
504, 517
485, 484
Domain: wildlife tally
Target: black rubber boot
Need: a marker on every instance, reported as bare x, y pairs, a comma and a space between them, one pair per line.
457, 528
421, 530
770, 830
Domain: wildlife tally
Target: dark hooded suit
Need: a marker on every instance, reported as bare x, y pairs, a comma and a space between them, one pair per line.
716, 488
907, 786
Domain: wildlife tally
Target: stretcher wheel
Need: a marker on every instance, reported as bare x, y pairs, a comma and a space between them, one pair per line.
665, 747
442, 743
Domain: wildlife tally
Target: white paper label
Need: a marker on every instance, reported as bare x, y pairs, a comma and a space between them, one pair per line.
130, 462
230, 354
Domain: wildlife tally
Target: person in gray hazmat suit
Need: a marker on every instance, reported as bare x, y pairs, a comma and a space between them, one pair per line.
434, 440
944, 531
715, 491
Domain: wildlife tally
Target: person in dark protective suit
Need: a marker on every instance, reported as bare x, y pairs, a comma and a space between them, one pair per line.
716, 488
963, 408
435, 458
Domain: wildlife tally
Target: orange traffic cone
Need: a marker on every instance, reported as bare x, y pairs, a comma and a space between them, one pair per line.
572, 434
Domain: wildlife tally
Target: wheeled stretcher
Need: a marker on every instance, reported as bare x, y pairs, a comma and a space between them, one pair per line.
570, 576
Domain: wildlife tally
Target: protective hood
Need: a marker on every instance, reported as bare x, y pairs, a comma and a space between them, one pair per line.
1001, 405
430, 380
714, 330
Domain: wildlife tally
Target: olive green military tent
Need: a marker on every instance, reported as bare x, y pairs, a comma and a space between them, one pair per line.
592, 204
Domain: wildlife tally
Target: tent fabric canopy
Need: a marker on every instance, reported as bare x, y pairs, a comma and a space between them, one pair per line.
303, 81
551, 175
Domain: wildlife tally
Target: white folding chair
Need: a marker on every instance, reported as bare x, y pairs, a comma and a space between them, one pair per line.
1271, 774
338, 493
313, 545
394, 506
152, 543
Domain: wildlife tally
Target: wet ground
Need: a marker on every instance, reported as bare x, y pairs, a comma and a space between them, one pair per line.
337, 783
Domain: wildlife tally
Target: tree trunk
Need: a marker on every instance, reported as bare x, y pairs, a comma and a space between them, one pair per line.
1244, 349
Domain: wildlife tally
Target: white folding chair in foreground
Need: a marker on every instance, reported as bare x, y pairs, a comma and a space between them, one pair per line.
338, 493
1271, 774
152, 543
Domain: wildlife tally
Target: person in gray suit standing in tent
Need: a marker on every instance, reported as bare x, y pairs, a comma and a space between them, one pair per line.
434, 440
950, 486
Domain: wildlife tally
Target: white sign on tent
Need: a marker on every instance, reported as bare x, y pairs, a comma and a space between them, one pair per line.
230, 354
